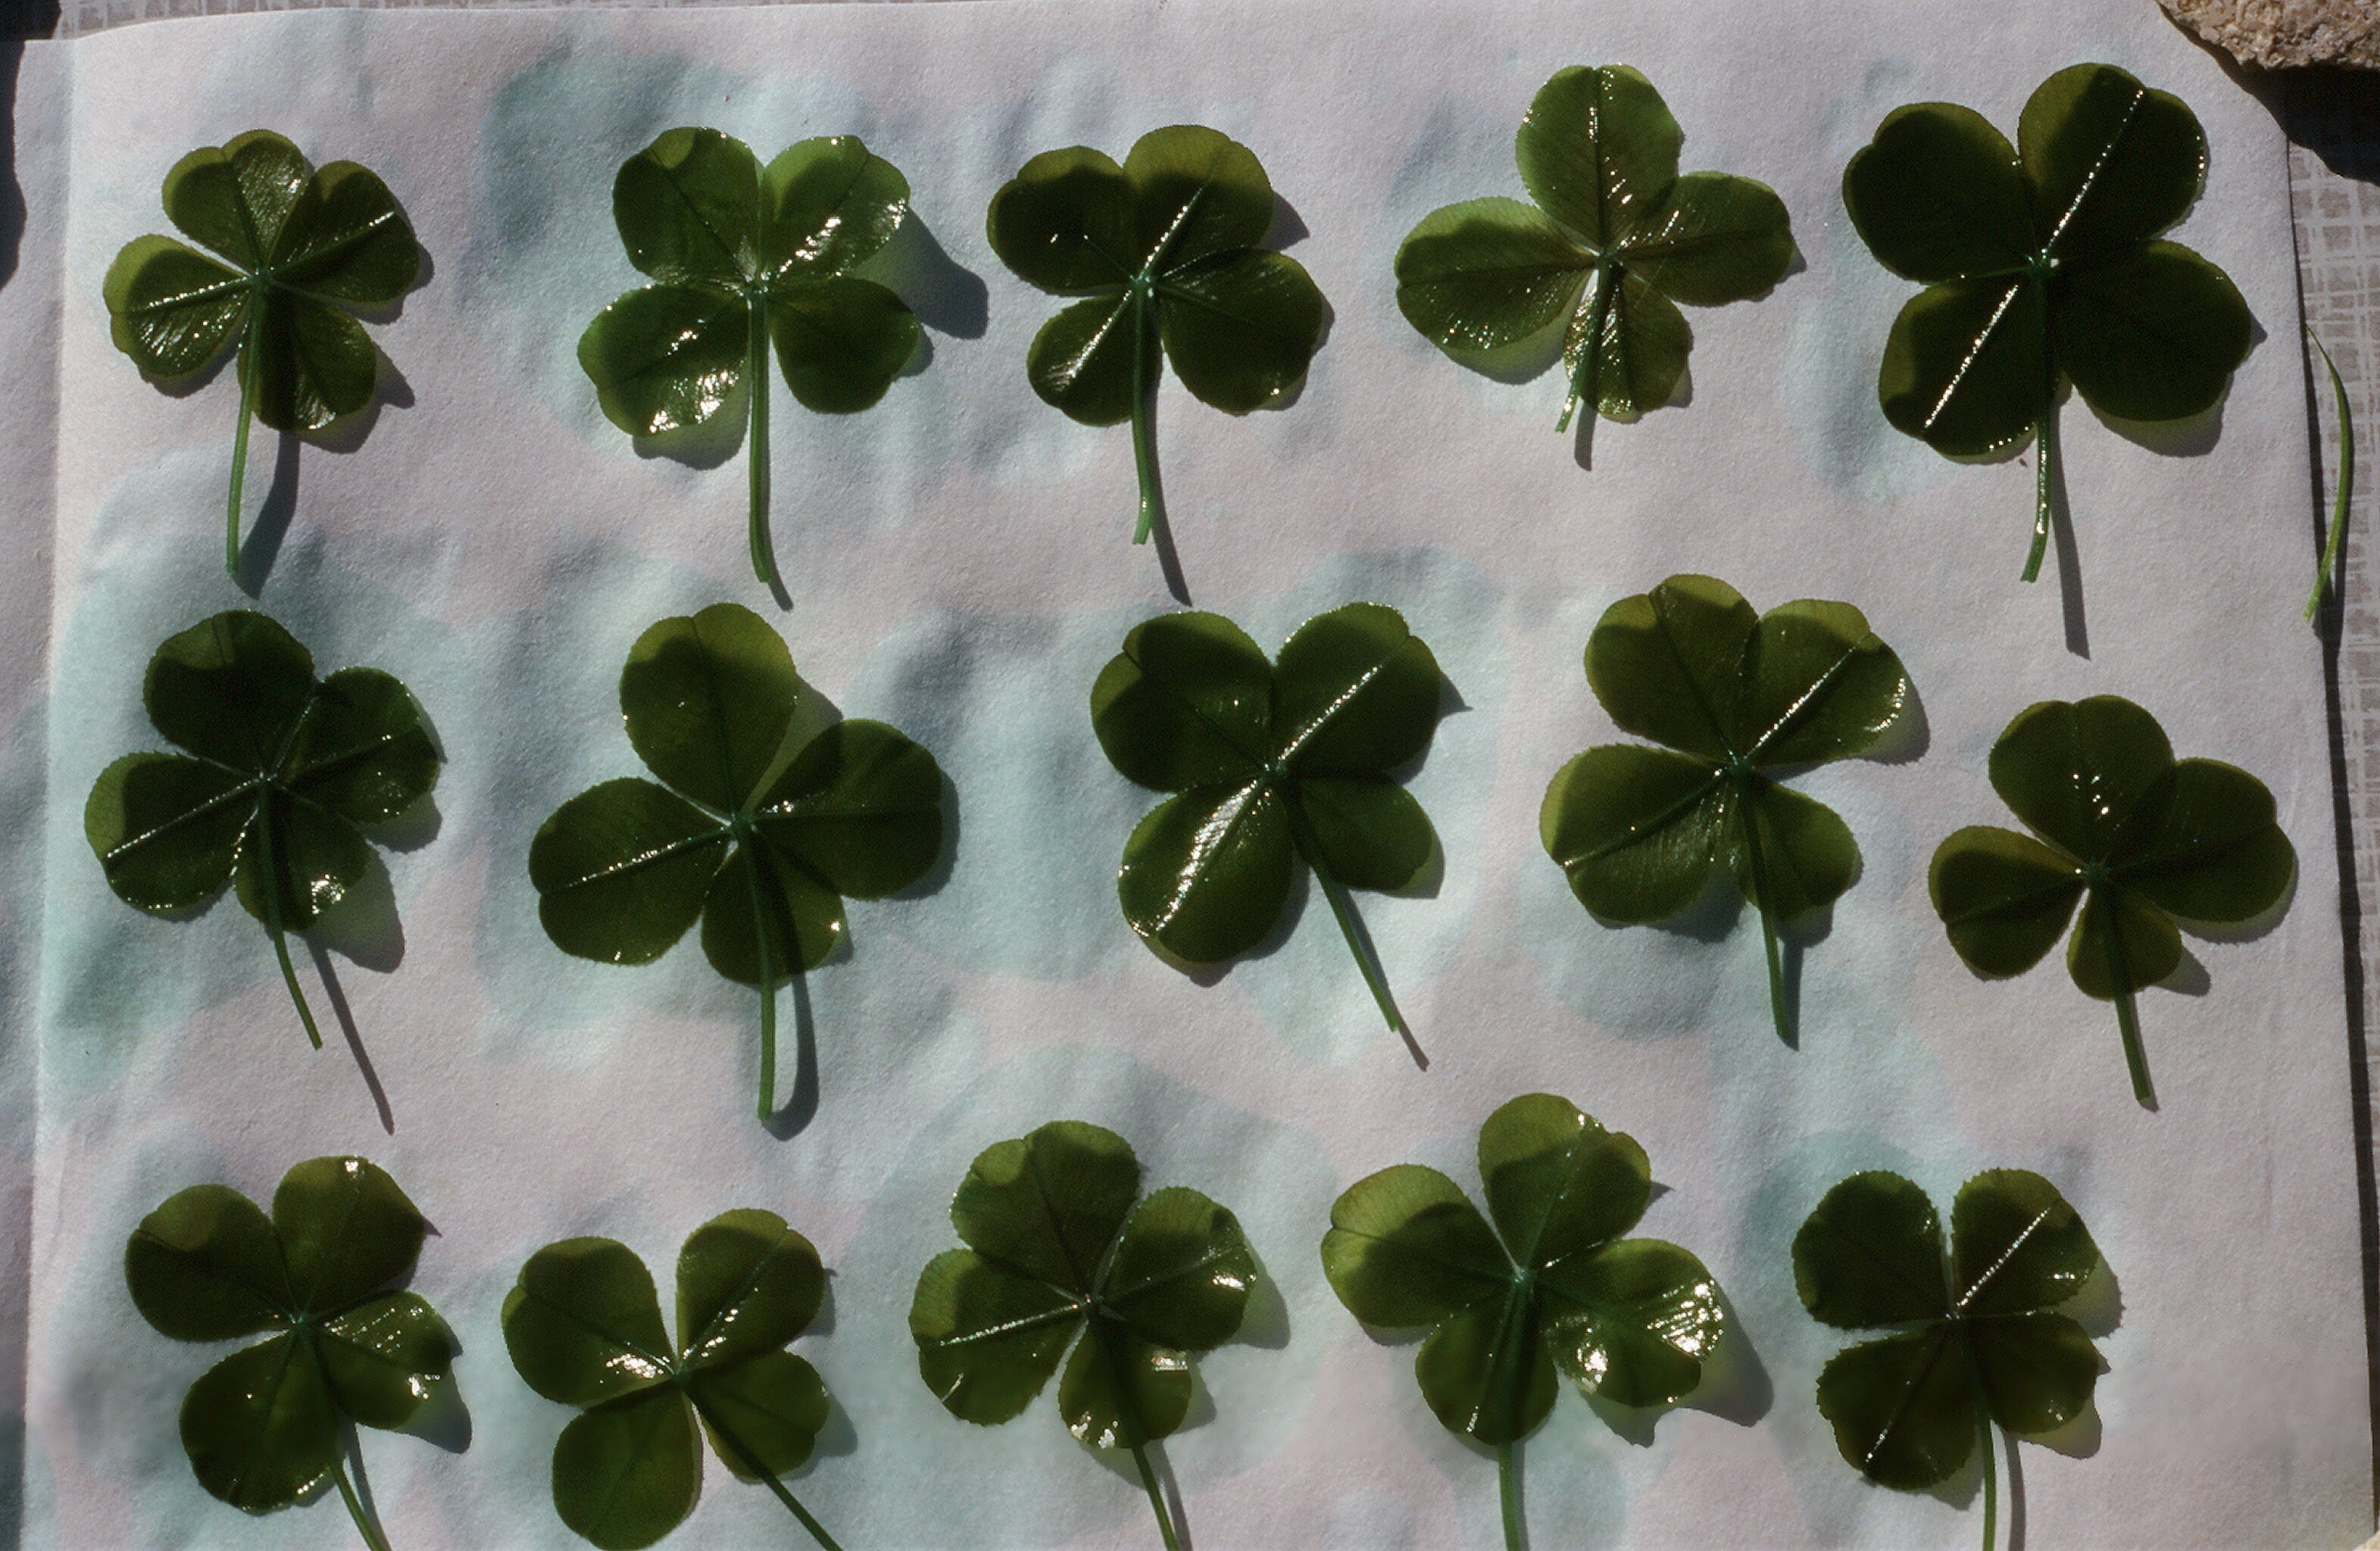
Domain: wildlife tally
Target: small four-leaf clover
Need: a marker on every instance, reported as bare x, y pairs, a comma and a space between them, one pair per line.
1551, 1290
2140, 839
262, 1427
1063, 1245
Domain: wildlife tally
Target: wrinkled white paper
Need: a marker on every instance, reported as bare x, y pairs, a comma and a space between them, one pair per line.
958, 565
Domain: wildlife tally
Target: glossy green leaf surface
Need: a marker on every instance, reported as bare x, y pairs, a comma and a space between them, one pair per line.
745, 259
1975, 1333
759, 842
281, 774
261, 1427
298, 250
583, 1326
1615, 240
1740, 701
2140, 839
2042, 267
1062, 1246
1268, 763
1167, 249
1550, 1288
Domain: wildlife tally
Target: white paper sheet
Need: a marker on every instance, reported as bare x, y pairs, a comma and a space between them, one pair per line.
958, 565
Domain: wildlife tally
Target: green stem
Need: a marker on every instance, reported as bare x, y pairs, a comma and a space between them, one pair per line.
751, 1462
356, 1507
1343, 907
2045, 479
1583, 385
1156, 1497
2127, 1019
270, 864
768, 984
756, 443
1144, 410
2330, 547
1767, 922
1991, 1476
1508, 1489
248, 349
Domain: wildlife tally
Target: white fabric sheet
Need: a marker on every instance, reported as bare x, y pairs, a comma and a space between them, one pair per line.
958, 566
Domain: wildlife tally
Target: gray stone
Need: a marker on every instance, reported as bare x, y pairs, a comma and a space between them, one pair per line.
2280, 34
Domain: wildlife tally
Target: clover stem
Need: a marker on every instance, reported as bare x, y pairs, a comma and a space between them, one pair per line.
248, 348
1583, 387
1991, 1475
2127, 1021
270, 863
768, 985
2045, 479
1767, 923
356, 1507
1359, 943
1510, 1491
751, 1462
756, 443
2330, 547
1156, 1497
1143, 414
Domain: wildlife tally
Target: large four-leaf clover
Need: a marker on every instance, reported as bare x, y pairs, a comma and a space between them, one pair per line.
741, 256
1269, 762
1979, 1343
262, 1427
759, 841
280, 770
1057, 1250
2139, 838
2041, 266
307, 248
1552, 1289
1737, 698
1615, 240
1165, 250
584, 1328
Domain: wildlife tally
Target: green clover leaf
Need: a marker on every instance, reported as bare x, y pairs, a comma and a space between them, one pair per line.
760, 842
1977, 1338
1551, 1288
1736, 698
1166, 249
743, 256
307, 248
1615, 240
280, 771
2041, 266
584, 1329
2140, 839
1058, 1249
262, 1427
1268, 762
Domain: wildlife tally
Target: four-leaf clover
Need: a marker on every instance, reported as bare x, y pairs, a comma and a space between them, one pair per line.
1057, 1249
281, 769
1268, 762
741, 256
1735, 698
1166, 249
262, 1427
307, 248
2042, 265
1552, 1286
1615, 240
2139, 839
1979, 1343
584, 1328
759, 841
